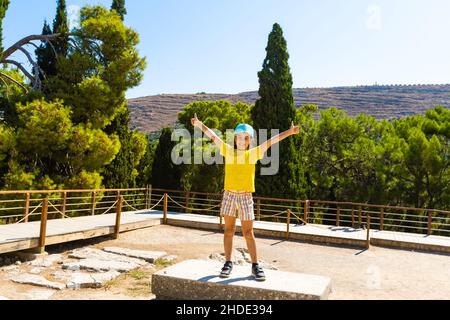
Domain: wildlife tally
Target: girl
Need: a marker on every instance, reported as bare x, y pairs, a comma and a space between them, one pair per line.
240, 163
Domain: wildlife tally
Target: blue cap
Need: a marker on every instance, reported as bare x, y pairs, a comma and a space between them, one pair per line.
245, 128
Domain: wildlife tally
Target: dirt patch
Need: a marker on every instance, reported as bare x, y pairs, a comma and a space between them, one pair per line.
356, 274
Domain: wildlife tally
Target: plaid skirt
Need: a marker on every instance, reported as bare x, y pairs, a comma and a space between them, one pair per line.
239, 205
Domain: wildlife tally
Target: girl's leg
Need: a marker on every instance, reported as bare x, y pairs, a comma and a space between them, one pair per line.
230, 229
247, 231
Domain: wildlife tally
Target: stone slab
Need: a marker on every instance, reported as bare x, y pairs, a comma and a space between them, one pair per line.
198, 280
96, 254
84, 280
149, 256
96, 265
37, 281
46, 261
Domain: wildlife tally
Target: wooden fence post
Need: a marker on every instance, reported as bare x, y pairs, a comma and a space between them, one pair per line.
146, 198
306, 211
430, 222
353, 217
338, 217
165, 208
27, 207
94, 200
368, 232
186, 204
118, 216
149, 196
360, 216
43, 228
258, 209
63, 207
288, 223
382, 219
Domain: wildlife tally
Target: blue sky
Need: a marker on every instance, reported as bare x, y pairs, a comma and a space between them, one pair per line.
218, 46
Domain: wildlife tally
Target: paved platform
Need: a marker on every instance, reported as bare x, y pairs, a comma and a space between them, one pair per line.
198, 280
320, 233
24, 236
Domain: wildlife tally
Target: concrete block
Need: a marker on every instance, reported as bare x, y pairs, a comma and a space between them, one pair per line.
199, 280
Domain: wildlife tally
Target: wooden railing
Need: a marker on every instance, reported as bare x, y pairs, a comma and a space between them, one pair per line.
339, 214
43, 205
26, 206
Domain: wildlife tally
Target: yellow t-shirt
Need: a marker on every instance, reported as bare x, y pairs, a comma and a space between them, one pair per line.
240, 167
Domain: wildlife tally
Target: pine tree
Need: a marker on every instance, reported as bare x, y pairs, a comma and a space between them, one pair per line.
3, 7
119, 7
165, 174
54, 148
276, 110
123, 170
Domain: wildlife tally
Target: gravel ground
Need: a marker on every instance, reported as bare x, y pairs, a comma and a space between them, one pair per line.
378, 273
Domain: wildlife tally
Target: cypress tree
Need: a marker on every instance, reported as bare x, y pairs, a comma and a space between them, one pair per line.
165, 174
276, 110
119, 7
3, 7
45, 56
119, 174
61, 25
145, 165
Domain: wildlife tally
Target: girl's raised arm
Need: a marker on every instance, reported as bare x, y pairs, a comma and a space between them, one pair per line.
292, 131
210, 133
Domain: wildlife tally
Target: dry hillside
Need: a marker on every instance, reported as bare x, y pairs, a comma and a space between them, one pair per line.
152, 113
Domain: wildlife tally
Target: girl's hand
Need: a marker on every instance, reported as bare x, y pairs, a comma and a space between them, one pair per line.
195, 122
295, 129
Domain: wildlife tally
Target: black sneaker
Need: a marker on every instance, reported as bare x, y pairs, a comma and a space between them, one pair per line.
226, 270
258, 273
